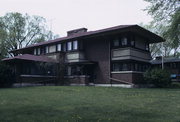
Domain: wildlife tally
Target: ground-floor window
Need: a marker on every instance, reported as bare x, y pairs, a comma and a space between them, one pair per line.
35, 68
130, 66
71, 70
74, 70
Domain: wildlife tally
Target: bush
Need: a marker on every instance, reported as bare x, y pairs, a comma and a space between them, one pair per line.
157, 77
175, 85
6, 76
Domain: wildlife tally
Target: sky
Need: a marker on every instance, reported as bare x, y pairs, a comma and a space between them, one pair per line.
65, 15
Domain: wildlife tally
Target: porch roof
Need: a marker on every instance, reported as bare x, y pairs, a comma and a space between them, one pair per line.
29, 57
165, 60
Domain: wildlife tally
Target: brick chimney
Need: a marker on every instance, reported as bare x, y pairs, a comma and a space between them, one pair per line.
76, 31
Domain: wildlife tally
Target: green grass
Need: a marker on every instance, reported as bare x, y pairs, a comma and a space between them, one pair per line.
89, 104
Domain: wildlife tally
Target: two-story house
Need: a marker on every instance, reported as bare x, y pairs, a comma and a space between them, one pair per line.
116, 55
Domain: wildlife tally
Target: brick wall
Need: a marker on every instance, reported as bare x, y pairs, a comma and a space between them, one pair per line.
98, 50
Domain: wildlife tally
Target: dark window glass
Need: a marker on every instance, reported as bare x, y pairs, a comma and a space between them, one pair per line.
64, 47
124, 41
132, 43
116, 43
124, 67
116, 67
136, 67
147, 47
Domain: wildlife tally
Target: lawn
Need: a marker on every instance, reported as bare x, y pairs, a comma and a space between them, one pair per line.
89, 104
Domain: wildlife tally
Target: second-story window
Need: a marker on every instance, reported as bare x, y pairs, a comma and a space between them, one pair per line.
58, 47
47, 49
69, 46
124, 41
52, 48
132, 43
38, 51
116, 43
75, 45
147, 46
64, 47
35, 53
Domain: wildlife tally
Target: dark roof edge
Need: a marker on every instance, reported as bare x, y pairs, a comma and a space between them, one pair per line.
157, 38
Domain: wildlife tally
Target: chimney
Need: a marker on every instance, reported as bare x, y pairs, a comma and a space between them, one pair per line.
76, 31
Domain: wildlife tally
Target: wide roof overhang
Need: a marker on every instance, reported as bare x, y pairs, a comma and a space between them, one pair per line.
153, 38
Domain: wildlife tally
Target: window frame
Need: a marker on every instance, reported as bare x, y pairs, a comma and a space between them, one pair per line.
75, 44
69, 47
59, 47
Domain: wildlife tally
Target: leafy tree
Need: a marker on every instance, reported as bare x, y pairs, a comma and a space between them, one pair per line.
17, 31
166, 22
7, 77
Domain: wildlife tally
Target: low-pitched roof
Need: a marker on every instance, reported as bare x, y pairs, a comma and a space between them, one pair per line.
121, 28
29, 57
165, 60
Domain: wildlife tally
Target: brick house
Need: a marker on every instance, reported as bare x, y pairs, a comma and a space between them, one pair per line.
116, 55
171, 64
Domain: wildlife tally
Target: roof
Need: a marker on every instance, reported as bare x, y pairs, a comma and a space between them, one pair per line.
121, 28
30, 58
165, 60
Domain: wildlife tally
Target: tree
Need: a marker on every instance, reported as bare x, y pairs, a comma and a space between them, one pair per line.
166, 15
17, 31
7, 77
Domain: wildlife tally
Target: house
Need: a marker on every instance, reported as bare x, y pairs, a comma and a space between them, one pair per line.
172, 64
117, 55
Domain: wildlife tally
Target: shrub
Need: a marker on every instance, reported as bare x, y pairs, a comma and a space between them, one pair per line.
157, 77
175, 85
6, 76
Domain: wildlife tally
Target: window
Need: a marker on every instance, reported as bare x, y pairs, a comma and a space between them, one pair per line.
52, 48
42, 50
47, 49
136, 67
124, 67
132, 43
130, 66
69, 46
35, 53
64, 47
68, 70
39, 51
58, 47
116, 43
124, 41
116, 67
147, 47
75, 45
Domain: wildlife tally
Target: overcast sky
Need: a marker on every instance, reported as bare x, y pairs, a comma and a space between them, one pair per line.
64, 15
